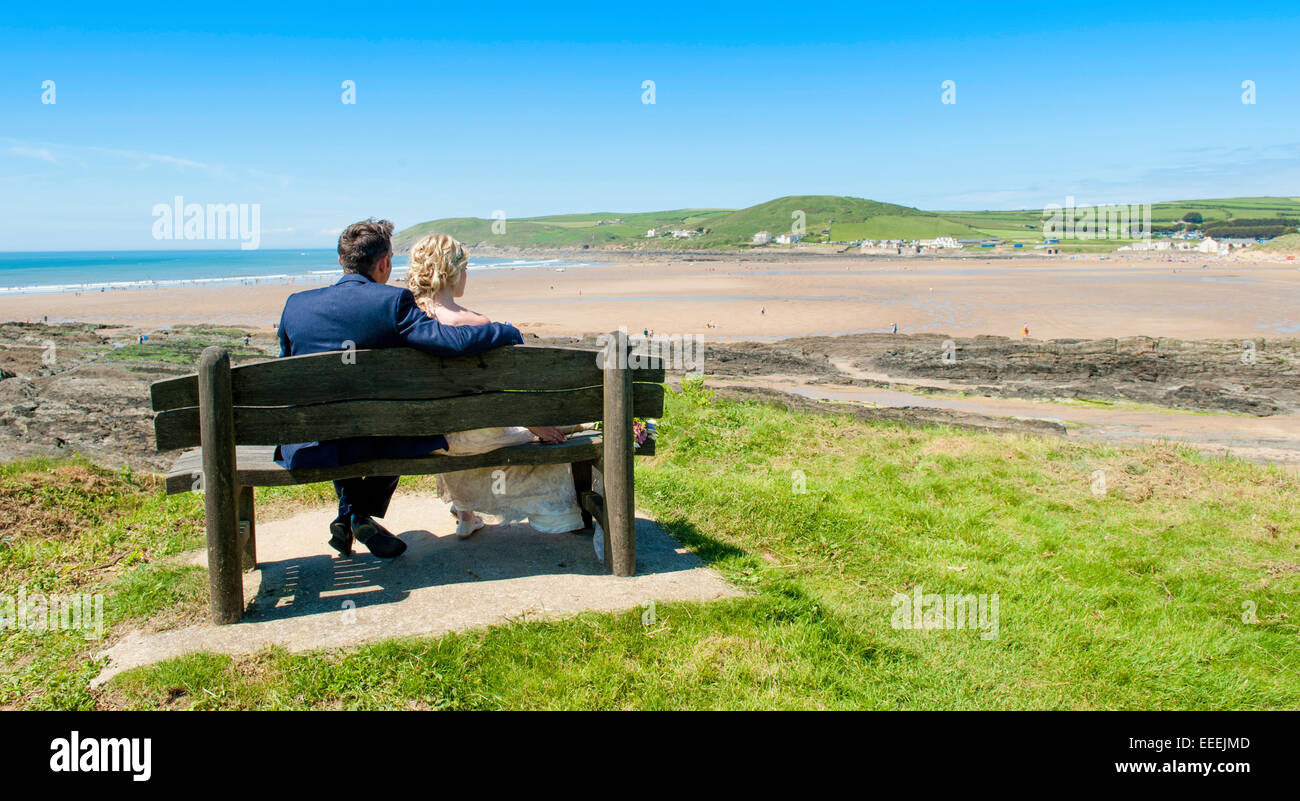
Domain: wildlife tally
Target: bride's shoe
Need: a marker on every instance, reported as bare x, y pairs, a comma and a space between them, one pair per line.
466, 528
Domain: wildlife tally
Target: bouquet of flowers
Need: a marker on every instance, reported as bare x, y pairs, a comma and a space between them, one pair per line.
641, 432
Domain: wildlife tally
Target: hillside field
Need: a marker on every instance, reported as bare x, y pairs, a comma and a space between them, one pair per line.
822, 218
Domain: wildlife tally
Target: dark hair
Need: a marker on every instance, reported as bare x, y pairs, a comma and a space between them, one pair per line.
364, 244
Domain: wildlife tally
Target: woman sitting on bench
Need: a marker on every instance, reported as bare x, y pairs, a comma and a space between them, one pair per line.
543, 494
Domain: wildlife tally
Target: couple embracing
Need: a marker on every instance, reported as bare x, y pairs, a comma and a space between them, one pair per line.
361, 308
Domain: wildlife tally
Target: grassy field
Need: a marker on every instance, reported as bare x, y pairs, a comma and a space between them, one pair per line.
839, 218
1176, 587
1282, 244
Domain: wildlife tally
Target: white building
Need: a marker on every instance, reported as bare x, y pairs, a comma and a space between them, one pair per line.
1208, 245
788, 239
762, 238
651, 234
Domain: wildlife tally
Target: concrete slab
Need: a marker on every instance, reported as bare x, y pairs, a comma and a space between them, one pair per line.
304, 596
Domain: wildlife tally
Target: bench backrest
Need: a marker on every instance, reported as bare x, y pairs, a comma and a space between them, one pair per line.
399, 391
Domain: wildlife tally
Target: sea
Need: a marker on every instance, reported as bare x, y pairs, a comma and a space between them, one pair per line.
118, 270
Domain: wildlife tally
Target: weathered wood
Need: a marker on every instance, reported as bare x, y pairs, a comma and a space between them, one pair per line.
217, 427
617, 469
257, 467
400, 374
370, 418
247, 526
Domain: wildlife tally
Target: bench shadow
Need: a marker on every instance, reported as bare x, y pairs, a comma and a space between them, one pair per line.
315, 584
709, 549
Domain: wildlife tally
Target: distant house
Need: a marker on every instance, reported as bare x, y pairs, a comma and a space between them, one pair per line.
683, 233
1209, 245
788, 239
762, 238
651, 234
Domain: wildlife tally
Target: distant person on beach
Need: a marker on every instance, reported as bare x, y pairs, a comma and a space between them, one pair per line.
541, 494
1025, 330
362, 310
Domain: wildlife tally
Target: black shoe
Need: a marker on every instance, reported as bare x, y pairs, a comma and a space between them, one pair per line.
375, 537
341, 537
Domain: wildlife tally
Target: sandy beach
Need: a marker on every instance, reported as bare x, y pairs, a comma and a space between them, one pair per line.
734, 297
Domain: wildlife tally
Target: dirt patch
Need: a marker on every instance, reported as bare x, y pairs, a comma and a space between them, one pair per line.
61, 503
955, 447
911, 416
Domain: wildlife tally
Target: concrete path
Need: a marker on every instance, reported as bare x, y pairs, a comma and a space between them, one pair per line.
305, 596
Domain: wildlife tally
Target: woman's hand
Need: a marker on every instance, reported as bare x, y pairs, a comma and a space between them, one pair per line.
549, 434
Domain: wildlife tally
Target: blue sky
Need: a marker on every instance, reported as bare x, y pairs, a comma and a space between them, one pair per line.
464, 110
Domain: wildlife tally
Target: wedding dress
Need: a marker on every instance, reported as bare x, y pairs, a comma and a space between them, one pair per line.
543, 495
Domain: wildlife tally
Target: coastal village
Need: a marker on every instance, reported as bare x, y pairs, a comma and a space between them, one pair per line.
1191, 241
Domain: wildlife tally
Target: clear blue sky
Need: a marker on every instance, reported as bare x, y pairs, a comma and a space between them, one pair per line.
471, 108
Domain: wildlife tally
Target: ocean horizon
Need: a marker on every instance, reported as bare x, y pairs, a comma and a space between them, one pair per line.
53, 272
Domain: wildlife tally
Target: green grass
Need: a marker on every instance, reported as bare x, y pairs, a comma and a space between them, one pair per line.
893, 226
176, 350
1286, 243
1128, 599
75, 527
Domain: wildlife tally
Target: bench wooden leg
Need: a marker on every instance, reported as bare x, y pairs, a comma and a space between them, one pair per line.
616, 462
217, 434
247, 529
581, 485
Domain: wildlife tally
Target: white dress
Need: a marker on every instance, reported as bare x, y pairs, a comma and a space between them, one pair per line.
543, 495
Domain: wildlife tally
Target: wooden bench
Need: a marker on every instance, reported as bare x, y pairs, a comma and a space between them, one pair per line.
237, 415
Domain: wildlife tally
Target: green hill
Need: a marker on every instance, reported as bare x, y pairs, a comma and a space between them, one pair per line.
825, 218
559, 231
1283, 244
1025, 224
829, 217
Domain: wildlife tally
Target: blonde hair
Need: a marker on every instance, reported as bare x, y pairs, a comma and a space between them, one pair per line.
437, 261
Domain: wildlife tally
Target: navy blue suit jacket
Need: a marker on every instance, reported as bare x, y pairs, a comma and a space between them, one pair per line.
372, 315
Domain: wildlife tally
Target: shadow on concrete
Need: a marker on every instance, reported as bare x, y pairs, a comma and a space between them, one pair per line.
312, 584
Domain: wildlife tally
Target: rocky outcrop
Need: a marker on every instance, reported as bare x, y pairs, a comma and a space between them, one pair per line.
1258, 377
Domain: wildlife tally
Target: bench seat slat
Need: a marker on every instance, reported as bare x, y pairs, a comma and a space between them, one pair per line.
179, 428
400, 374
257, 468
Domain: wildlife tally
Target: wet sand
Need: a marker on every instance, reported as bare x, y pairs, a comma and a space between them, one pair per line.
725, 297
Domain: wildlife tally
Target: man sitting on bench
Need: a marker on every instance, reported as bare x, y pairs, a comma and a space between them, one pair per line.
358, 312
